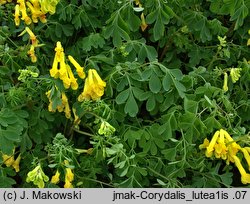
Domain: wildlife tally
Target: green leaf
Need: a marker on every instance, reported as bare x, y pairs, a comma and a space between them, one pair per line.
154, 83
68, 30
166, 82
6, 182
150, 105
190, 106
239, 15
94, 40
180, 88
169, 154
123, 96
131, 106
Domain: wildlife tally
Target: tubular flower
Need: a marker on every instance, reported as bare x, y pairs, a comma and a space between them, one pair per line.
77, 120
10, 161
32, 54
144, 25
79, 69
37, 176
93, 88
23, 10
247, 156
225, 87
245, 177
49, 6
69, 176
63, 107
16, 15
16, 163
204, 144
210, 147
56, 178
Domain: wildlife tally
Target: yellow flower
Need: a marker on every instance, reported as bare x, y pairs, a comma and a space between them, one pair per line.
79, 69
17, 14
37, 176
245, 177
205, 144
32, 54
68, 185
23, 10
93, 88
144, 25
73, 81
248, 42
210, 148
225, 87
35, 10
77, 120
8, 160
56, 178
69, 177
235, 74
247, 156
16, 163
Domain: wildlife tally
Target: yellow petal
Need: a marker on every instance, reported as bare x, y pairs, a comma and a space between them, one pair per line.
210, 147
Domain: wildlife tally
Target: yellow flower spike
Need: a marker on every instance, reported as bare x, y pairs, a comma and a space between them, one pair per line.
56, 178
79, 69
16, 163
225, 87
16, 15
8, 160
144, 25
245, 177
247, 157
205, 144
210, 148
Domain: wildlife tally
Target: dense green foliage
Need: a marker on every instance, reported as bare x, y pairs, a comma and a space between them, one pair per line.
164, 92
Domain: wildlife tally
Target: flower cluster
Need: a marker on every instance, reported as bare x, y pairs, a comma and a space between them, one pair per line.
63, 107
33, 10
63, 71
30, 71
9, 160
69, 176
106, 129
223, 146
37, 176
93, 88
235, 76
